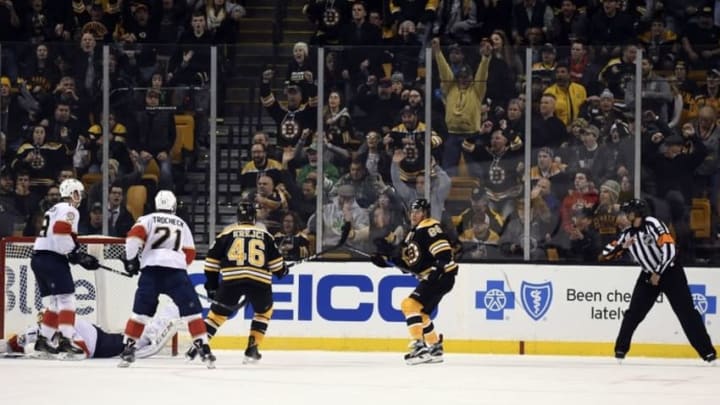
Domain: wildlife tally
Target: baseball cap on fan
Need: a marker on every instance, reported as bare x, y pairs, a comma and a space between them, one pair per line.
346, 190
96, 207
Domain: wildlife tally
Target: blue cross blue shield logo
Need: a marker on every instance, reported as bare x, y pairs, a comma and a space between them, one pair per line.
536, 298
704, 303
495, 300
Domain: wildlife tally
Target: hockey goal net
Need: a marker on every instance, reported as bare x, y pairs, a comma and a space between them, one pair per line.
101, 297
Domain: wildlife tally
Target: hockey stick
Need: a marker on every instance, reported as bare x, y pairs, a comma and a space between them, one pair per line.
243, 301
343, 238
358, 251
111, 270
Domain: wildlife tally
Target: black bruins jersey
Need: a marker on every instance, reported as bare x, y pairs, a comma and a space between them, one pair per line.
243, 252
293, 247
425, 247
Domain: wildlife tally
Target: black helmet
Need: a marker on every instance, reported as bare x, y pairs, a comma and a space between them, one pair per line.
246, 212
636, 205
420, 204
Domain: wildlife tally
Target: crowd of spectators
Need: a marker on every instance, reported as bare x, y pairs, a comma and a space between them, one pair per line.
374, 118
582, 101
51, 98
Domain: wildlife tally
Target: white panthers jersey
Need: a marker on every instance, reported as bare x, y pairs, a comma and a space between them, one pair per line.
85, 337
60, 224
156, 334
165, 240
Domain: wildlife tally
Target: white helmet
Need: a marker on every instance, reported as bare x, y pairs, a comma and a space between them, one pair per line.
72, 189
165, 201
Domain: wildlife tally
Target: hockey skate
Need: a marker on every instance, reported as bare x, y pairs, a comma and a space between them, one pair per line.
436, 351
191, 353
418, 354
252, 355
68, 350
711, 359
203, 349
43, 349
128, 354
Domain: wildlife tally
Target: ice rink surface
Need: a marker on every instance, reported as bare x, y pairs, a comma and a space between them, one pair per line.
341, 378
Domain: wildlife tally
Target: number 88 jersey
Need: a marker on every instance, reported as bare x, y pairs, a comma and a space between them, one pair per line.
165, 240
426, 246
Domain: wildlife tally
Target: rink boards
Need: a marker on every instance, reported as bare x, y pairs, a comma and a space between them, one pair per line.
355, 306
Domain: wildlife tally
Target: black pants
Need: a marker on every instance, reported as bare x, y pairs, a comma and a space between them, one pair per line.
674, 285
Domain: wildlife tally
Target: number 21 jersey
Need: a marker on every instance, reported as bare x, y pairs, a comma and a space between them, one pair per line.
165, 240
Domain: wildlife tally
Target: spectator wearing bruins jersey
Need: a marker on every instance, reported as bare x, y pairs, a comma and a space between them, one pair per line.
410, 137
246, 257
294, 118
427, 254
292, 243
605, 218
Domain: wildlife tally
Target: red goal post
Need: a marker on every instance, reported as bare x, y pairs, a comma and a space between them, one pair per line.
102, 297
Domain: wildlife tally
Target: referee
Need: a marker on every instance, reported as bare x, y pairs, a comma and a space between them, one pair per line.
650, 244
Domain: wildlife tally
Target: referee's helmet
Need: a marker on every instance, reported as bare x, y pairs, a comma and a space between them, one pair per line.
637, 206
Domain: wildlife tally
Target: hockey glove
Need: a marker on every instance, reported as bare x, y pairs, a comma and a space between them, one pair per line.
381, 260
284, 272
132, 266
89, 262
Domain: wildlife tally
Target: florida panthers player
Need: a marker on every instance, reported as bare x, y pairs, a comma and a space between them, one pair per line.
99, 344
54, 250
160, 246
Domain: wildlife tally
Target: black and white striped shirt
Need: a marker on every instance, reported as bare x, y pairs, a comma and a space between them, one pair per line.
653, 247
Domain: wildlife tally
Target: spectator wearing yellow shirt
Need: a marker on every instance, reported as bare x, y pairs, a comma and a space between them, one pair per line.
464, 95
569, 96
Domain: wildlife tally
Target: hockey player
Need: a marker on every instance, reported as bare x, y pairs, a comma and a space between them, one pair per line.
161, 246
99, 344
246, 257
427, 254
54, 250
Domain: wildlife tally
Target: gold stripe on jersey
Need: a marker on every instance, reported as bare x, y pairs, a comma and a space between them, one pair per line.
211, 267
246, 276
231, 271
451, 266
211, 264
275, 265
439, 246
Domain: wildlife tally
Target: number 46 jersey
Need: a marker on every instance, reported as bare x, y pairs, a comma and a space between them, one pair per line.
165, 240
244, 252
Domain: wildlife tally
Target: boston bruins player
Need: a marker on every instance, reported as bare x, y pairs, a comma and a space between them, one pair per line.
247, 257
427, 254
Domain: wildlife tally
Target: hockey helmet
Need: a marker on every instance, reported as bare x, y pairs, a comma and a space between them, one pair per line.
246, 212
637, 206
72, 189
165, 201
420, 204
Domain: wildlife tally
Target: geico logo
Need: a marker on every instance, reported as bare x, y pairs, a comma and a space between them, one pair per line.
23, 295
335, 297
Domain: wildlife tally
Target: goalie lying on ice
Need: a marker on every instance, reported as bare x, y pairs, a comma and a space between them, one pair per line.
98, 343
